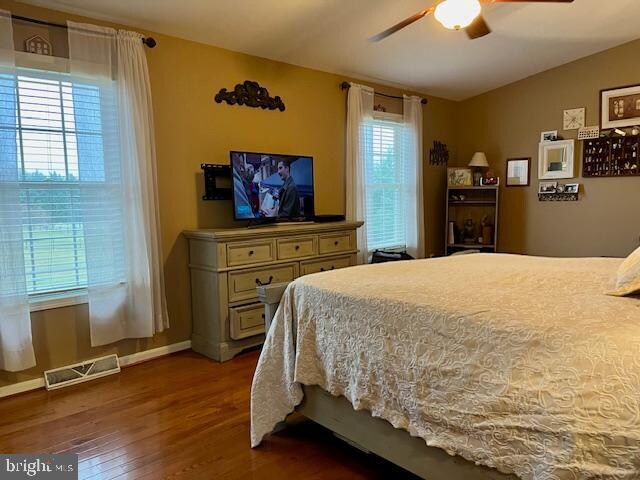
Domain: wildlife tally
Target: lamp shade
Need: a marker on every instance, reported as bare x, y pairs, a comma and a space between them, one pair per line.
479, 159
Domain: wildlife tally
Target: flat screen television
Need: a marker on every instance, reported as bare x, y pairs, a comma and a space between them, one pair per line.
271, 186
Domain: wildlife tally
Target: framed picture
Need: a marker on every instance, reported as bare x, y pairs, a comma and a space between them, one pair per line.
518, 172
571, 188
550, 136
620, 107
573, 119
547, 187
556, 159
459, 177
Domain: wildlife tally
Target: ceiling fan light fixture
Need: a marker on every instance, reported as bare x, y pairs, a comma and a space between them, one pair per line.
457, 14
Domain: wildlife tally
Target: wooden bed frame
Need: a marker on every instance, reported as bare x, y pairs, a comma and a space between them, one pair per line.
374, 435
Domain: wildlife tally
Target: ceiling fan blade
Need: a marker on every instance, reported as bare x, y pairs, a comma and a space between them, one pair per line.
478, 28
401, 25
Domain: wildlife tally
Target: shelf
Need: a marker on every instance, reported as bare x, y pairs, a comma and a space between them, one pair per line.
470, 245
478, 204
611, 157
558, 197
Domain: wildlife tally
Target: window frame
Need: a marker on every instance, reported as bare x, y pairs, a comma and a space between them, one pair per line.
64, 298
40, 301
399, 120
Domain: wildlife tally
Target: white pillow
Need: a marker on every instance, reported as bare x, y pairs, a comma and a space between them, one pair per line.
628, 277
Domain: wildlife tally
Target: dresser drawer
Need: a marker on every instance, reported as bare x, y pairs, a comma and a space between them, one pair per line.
243, 283
297, 247
250, 252
335, 243
315, 266
246, 321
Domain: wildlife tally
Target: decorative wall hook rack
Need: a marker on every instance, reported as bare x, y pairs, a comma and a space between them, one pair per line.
558, 197
250, 94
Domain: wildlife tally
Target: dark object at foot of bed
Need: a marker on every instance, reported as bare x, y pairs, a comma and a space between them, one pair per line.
380, 256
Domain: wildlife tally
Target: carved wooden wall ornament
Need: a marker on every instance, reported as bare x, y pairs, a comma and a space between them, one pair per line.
438, 154
250, 94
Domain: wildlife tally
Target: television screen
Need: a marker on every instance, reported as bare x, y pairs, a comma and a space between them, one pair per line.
271, 186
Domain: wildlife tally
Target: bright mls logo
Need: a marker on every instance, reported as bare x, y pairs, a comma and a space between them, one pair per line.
34, 466
30, 468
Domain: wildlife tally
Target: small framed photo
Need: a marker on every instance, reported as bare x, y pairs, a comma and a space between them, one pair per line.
518, 172
547, 187
620, 107
550, 136
572, 188
459, 177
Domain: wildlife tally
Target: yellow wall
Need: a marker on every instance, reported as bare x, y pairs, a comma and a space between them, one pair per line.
191, 129
506, 123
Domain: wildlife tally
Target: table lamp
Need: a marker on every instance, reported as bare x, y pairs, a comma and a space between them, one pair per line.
478, 161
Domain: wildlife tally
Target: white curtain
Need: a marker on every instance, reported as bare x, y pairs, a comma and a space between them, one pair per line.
139, 158
413, 196
117, 167
359, 109
16, 348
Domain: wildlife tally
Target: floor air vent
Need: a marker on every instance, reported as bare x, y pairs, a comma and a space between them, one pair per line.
81, 372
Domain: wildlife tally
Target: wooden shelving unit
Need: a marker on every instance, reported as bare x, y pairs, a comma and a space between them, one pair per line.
473, 203
611, 157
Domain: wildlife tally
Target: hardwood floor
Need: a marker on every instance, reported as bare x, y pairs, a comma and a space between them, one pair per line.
178, 417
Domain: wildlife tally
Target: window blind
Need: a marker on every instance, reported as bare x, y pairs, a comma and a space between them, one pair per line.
384, 177
48, 172
50, 123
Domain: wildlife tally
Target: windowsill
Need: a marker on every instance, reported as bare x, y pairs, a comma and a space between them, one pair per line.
49, 301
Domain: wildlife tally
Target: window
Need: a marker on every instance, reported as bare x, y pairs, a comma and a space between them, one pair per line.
385, 180
52, 116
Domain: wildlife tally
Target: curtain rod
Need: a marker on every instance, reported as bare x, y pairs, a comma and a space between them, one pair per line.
148, 41
347, 86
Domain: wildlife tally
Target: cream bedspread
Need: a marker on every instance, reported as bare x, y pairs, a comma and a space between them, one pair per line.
518, 363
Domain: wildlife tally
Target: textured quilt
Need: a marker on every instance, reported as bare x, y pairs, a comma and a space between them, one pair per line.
518, 363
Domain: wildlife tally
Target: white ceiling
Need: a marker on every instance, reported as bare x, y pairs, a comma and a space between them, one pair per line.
331, 35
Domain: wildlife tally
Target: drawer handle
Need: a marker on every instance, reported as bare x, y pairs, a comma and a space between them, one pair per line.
251, 252
260, 283
322, 269
297, 247
263, 316
335, 243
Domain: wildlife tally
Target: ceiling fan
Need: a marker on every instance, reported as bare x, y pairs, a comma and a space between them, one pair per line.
456, 15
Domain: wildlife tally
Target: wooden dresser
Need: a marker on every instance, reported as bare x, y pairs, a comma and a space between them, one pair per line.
227, 265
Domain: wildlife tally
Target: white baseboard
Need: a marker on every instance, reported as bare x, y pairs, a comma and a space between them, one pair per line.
21, 387
125, 361
145, 355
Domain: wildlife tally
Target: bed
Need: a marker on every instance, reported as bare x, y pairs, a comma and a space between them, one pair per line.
515, 363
